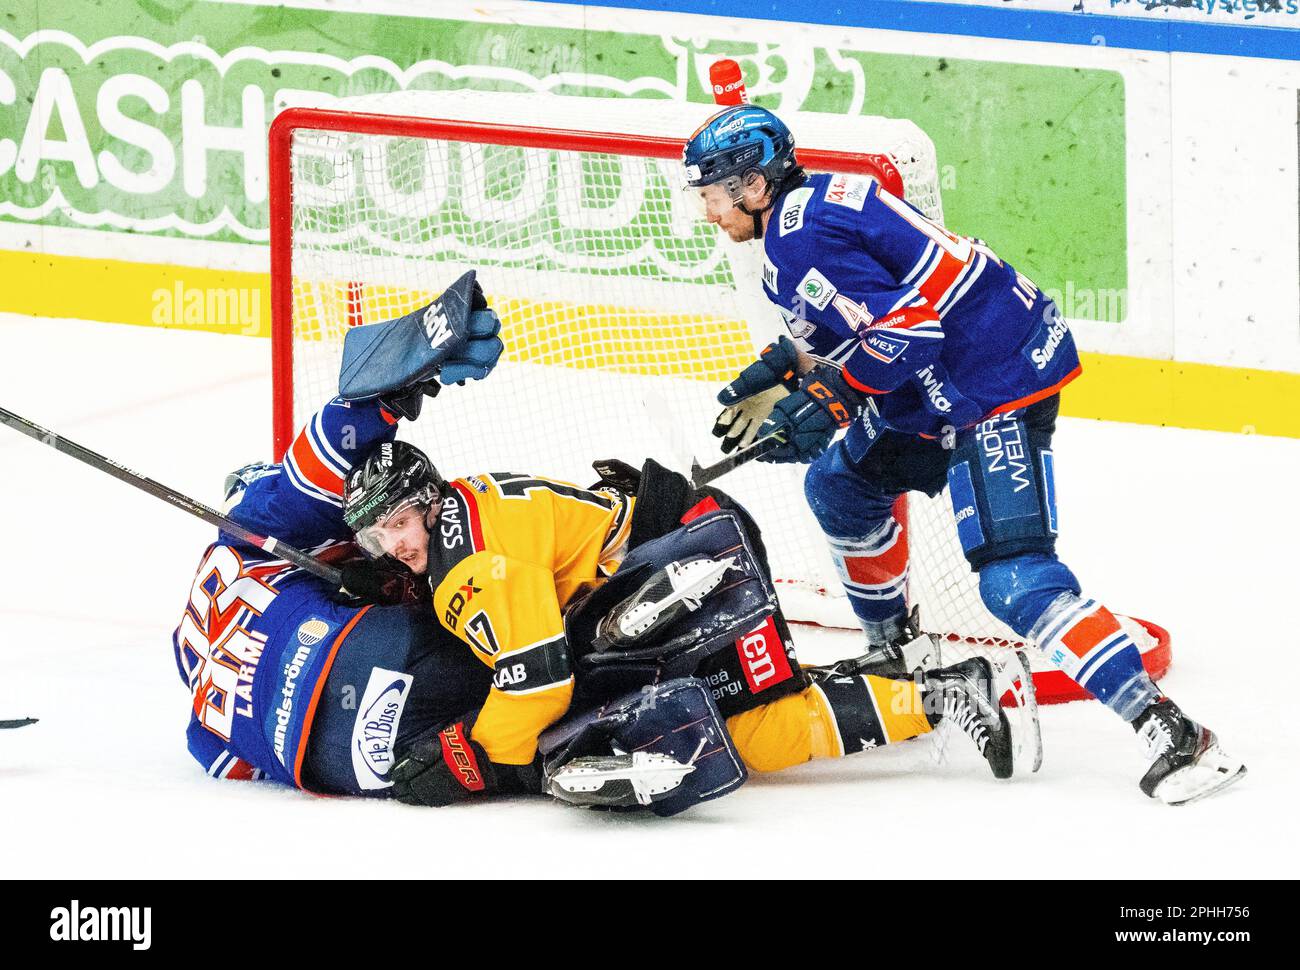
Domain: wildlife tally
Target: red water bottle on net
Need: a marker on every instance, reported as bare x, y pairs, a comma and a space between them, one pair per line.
728, 82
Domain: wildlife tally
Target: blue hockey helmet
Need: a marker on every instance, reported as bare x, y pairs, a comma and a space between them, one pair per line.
737, 140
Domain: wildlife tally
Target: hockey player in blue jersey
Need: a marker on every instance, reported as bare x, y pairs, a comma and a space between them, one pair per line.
275, 658
942, 365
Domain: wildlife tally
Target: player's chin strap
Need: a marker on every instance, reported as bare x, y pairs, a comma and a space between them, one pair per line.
756, 215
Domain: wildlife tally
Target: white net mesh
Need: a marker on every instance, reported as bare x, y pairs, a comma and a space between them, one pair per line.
623, 312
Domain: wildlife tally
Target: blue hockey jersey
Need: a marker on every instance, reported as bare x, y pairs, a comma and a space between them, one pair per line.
258, 636
938, 329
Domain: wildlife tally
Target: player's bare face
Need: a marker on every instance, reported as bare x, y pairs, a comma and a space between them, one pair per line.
721, 210
404, 535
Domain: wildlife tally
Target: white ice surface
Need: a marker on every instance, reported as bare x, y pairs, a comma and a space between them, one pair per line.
1196, 530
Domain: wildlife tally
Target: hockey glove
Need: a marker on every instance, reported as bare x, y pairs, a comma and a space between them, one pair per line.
450, 767
366, 581
811, 415
749, 399
408, 401
473, 360
399, 362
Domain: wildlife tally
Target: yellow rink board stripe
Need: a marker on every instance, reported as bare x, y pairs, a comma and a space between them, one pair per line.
1176, 394
1114, 388
149, 294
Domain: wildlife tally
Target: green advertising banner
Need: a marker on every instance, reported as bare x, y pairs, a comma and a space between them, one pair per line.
151, 117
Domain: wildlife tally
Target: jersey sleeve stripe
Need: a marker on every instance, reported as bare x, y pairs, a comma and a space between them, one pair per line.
911, 298
864, 388
324, 448
941, 278
963, 283
238, 770
312, 469
927, 257
311, 491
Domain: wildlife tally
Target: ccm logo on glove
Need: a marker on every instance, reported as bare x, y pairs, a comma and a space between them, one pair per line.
831, 402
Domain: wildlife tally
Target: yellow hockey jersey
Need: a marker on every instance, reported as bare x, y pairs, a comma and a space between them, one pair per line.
507, 554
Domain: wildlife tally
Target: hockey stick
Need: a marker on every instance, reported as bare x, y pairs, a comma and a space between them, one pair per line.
197, 509
20, 722
701, 476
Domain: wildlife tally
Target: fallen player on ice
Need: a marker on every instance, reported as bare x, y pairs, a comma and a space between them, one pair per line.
617, 646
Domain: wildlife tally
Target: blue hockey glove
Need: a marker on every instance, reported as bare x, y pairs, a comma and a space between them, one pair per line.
749, 399
399, 362
811, 415
777, 364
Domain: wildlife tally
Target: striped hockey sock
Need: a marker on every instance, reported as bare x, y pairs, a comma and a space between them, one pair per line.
874, 573
1084, 640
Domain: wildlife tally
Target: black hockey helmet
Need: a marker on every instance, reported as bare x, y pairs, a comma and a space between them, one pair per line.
394, 476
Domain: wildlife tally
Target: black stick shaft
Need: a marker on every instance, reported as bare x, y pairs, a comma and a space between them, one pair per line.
768, 443
197, 509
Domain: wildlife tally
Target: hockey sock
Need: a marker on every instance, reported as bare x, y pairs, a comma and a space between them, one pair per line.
874, 573
1085, 641
836, 717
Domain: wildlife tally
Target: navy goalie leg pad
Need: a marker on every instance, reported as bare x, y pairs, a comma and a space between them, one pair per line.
676, 722
741, 598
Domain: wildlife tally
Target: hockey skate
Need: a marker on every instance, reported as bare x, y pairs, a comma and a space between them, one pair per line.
676, 589
617, 780
1187, 763
971, 702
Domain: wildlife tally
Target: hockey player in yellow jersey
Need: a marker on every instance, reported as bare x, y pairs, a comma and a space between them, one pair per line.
520, 569
507, 555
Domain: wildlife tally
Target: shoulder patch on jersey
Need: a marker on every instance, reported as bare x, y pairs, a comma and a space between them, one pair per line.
769, 274
848, 190
793, 208
815, 289
452, 538
884, 348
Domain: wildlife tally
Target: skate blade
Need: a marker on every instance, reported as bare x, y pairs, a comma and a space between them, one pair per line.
1027, 732
1212, 772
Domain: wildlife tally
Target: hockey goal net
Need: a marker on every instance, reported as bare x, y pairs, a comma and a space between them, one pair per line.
623, 312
